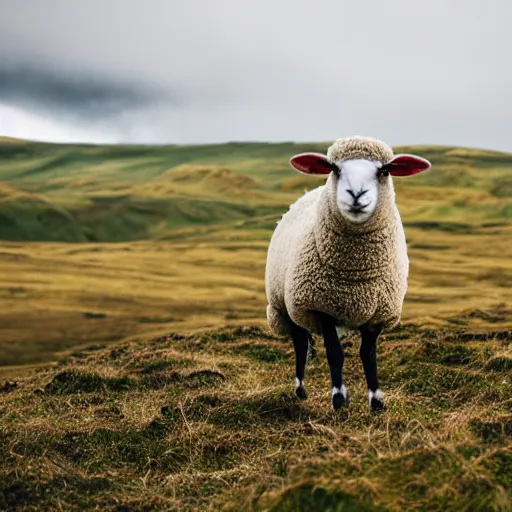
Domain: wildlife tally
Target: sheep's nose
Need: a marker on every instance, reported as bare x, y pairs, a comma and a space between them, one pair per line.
356, 195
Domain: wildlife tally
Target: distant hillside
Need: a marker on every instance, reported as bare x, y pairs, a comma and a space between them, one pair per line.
29, 216
77, 193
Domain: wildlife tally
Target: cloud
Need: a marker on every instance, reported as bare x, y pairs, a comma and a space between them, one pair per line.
72, 94
211, 71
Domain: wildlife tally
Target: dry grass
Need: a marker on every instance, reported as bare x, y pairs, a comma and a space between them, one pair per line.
209, 421
56, 296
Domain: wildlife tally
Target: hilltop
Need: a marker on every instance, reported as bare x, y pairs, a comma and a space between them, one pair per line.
209, 421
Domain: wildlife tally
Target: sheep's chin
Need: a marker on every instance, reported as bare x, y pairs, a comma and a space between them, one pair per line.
355, 218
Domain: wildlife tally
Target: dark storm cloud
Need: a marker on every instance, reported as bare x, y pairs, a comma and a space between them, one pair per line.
74, 94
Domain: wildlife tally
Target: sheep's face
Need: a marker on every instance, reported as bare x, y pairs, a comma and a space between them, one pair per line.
361, 184
358, 188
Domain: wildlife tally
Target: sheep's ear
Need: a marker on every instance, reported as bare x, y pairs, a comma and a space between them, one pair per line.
312, 163
407, 165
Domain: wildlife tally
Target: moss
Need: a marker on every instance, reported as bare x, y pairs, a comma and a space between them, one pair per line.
72, 381
499, 364
307, 497
492, 431
263, 353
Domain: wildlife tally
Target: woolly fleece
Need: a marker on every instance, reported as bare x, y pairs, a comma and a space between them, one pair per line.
319, 261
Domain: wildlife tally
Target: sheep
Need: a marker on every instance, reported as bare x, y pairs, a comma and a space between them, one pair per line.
338, 259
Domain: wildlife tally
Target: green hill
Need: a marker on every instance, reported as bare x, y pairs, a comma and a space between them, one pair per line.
77, 193
131, 193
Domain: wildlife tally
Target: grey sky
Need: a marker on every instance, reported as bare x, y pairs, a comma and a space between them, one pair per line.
435, 72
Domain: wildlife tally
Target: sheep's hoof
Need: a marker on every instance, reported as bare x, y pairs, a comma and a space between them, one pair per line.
339, 398
377, 401
377, 405
301, 392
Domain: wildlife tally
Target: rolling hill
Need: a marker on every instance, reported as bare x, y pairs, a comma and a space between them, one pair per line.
112, 193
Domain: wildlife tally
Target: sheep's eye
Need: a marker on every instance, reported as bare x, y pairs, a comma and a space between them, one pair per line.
383, 171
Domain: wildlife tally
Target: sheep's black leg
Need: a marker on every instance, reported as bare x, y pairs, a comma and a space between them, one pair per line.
300, 339
368, 353
335, 359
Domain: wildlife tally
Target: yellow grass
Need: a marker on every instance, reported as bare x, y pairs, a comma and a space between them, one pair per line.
55, 296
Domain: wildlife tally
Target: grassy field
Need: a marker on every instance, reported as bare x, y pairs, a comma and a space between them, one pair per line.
210, 422
104, 251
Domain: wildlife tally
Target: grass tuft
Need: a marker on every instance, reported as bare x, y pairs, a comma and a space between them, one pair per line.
71, 381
